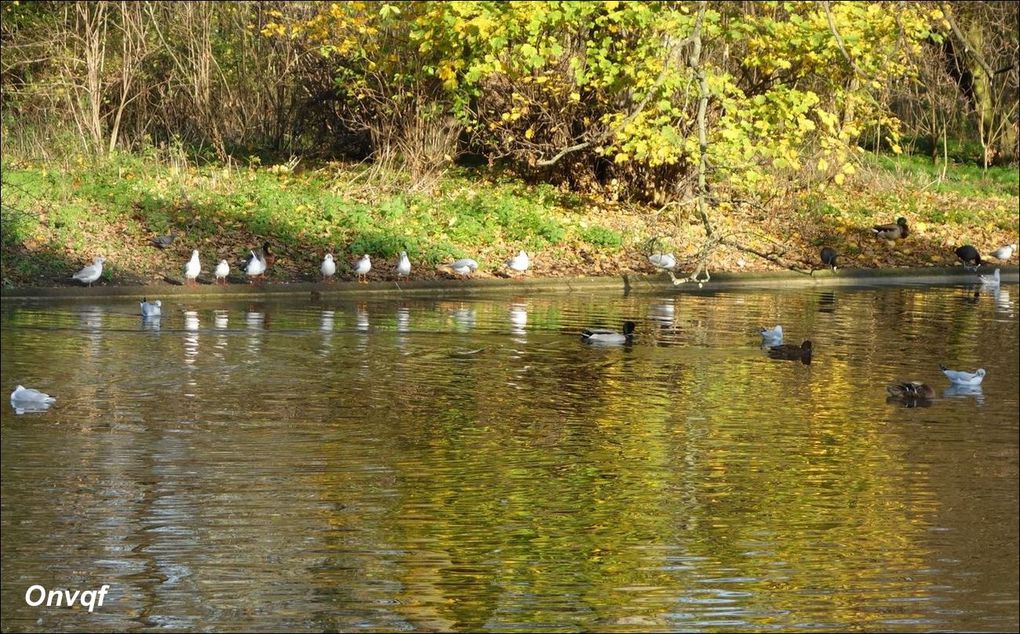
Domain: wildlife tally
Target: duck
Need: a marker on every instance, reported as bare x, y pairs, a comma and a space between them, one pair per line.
193, 267
774, 334
829, 256
519, 263
1004, 253
90, 273
222, 271
958, 377
403, 265
892, 231
663, 261
969, 256
26, 395
609, 337
463, 266
150, 309
164, 241
911, 390
990, 280
362, 267
328, 267
792, 352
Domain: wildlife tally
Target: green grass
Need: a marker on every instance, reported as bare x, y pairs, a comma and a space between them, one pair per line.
962, 178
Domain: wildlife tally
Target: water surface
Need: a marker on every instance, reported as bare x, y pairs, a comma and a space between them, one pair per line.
470, 465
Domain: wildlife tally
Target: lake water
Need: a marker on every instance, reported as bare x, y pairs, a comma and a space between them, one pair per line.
470, 465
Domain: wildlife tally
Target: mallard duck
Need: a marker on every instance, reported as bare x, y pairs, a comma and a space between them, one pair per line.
90, 273
829, 256
222, 271
773, 335
990, 280
192, 268
519, 263
150, 309
164, 241
403, 265
792, 352
609, 337
969, 256
663, 261
958, 377
362, 267
911, 389
1004, 253
463, 266
328, 267
892, 231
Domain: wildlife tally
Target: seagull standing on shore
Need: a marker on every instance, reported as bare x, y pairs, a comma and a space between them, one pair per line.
91, 272
328, 267
404, 265
362, 267
519, 263
193, 267
222, 271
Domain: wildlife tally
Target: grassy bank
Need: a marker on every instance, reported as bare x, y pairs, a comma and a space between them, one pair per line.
56, 219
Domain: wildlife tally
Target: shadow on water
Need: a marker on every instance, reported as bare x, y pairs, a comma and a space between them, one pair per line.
465, 464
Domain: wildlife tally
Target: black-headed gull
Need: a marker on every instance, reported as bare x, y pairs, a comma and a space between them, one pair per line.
958, 377
91, 272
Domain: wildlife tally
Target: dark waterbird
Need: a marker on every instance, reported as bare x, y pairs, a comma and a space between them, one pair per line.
792, 352
911, 389
164, 241
892, 231
969, 256
829, 256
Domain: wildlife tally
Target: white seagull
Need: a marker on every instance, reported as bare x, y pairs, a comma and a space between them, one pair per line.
957, 377
193, 267
256, 265
1004, 253
150, 309
519, 263
328, 267
772, 335
463, 266
664, 261
91, 272
25, 399
363, 266
404, 265
222, 271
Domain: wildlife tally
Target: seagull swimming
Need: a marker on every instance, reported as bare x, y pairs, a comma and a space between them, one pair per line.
963, 378
772, 335
91, 272
150, 309
25, 399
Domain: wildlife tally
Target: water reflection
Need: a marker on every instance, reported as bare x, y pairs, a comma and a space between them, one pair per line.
965, 391
485, 471
151, 322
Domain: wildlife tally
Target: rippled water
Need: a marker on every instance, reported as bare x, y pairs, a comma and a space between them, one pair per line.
470, 465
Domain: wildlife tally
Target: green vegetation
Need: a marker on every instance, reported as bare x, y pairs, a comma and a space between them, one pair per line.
579, 131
